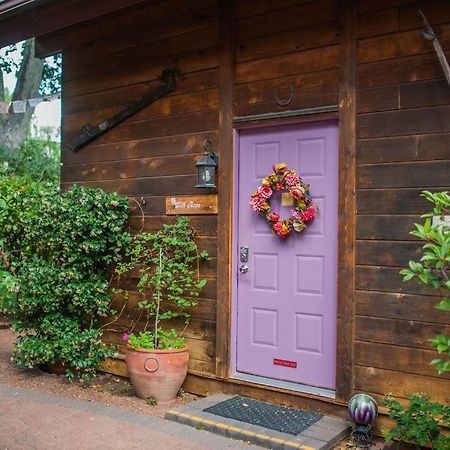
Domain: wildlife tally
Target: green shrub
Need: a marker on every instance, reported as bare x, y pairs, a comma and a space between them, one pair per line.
59, 246
433, 269
419, 423
168, 265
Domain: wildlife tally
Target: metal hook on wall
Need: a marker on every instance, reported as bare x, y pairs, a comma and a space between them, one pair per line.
285, 101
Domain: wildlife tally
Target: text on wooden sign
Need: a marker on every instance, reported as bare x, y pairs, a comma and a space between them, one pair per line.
191, 204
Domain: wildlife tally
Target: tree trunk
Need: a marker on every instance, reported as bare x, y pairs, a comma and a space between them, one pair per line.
14, 128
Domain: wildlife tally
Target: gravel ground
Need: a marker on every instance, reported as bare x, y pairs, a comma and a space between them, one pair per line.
105, 389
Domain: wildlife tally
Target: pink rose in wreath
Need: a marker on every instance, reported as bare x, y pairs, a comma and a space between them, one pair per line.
308, 215
265, 191
297, 192
257, 203
281, 229
292, 179
274, 217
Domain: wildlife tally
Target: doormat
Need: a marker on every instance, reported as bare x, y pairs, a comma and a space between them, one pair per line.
279, 418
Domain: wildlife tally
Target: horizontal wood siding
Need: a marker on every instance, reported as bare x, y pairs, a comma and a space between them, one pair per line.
403, 147
110, 63
284, 45
402, 132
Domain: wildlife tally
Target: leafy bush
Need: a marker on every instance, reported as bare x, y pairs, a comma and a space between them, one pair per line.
433, 270
419, 423
37, 158
167, 262
56, 248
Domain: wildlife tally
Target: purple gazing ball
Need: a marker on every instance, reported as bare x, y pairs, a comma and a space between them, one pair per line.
362, 409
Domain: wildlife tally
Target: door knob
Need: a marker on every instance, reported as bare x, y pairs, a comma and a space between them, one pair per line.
243, 268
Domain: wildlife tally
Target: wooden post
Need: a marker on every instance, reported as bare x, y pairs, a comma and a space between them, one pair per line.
347, 204
224, 275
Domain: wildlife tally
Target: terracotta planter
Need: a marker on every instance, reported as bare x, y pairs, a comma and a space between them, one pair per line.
157, 373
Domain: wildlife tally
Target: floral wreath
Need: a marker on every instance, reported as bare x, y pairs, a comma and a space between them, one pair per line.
304, 210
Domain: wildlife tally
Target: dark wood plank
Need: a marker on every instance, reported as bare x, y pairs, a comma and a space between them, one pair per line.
397, 332
148, 12
164, 126
392, 357
389, 201
399, 70
142, 148
383, 98
378, 23
291, 41
433, 10
387, 253
346, 208
426, 147
119, 97
370, 379
143, 72
389, 227
226, 183
256, 7
401, 44
426, 93
298, 102
399, 306
154, 186
285, 65
304, 85
203, 225
47, 18
135, 168
175, 36
410, 121
404, 175
299, 15
366, 6
386, 279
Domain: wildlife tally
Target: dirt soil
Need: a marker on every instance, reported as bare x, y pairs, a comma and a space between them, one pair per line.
106, 389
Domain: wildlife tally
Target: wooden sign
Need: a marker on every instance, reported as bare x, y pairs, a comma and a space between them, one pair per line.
191, 204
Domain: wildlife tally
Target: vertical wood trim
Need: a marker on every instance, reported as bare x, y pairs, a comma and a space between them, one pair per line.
224, 272
347, 204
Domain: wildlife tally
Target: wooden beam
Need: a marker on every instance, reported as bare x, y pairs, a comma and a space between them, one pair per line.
224, 273
347, 211
52, 16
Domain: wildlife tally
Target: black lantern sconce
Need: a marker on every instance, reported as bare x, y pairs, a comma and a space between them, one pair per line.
206, 167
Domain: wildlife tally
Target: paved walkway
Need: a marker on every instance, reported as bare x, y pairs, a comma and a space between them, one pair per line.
31, 420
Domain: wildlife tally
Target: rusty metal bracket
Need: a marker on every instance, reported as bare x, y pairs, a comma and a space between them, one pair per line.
89, 132
285, 101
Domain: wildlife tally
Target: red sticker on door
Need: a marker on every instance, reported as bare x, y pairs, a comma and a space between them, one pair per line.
285, 363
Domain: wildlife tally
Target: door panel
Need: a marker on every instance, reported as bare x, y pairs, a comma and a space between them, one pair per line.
286, 302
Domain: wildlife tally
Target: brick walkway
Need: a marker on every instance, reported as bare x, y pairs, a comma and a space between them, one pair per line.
31, 420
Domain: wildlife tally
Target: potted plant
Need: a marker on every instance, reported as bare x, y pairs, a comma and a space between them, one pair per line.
167, 263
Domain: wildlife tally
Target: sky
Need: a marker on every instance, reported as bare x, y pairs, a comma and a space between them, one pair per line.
46, 113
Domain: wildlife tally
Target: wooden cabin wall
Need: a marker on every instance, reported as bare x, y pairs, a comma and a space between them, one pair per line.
403, 142
403, 147
108, 64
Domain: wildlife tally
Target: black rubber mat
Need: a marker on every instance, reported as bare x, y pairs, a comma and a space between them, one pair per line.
278, 418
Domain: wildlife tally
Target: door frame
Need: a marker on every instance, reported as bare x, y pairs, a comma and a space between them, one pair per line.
347, 17
233, 373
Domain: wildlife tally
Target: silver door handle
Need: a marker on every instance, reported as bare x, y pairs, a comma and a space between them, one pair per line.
243, 268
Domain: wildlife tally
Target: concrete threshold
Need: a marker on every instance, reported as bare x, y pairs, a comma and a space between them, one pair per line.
322, 435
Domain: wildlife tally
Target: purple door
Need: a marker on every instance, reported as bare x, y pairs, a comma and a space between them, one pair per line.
286, 302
